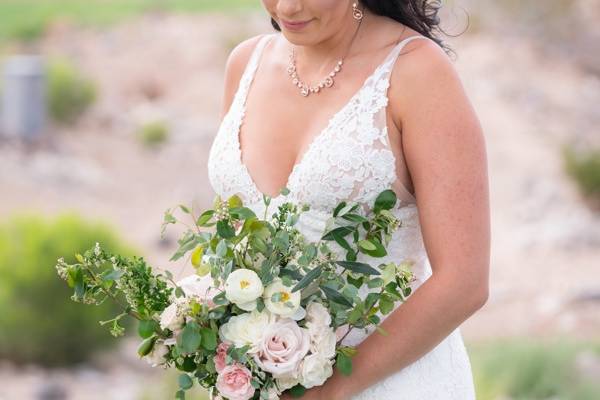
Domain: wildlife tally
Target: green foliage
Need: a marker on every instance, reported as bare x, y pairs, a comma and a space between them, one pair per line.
584, 168
38, 322
69, 93
153, 134
533, 369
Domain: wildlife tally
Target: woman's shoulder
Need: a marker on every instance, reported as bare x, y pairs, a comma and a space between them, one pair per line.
237, 61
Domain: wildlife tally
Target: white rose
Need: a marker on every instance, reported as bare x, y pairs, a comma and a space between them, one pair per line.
286, 302
318, 314
246, 329
322, 340
283, 346
171, 318
315, 370
243, 287
157, 355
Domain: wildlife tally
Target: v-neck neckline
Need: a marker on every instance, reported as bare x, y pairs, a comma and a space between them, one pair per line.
318, 136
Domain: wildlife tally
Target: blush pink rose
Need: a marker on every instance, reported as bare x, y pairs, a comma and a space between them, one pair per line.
282, 348
235, 382
221, 356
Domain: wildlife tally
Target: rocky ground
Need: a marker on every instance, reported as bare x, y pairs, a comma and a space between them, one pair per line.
546, 242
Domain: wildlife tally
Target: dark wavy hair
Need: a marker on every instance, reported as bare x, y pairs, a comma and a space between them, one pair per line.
420, 15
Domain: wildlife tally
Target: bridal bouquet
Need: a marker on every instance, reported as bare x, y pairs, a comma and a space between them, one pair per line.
266, 311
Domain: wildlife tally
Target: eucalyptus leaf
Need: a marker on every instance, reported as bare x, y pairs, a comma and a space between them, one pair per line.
358, 267
308, 278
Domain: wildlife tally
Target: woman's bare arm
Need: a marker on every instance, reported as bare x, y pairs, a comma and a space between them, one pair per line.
445, 153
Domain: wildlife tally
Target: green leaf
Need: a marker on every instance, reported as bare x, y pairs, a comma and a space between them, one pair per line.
180, 395
379, 251
354, 218
190, 338
335, 297
147, 327
242, 212
386, 305
308, 278
297, 391
225, 230
337, 209
205, 217
386, 200
359, 267
340, 232
366, 245
184, 209
185, 382
146, 346
209, 339
344, 364
376, 282
284, 191
234, 201
221, 249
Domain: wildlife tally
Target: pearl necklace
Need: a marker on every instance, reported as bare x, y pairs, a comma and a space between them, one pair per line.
306, 89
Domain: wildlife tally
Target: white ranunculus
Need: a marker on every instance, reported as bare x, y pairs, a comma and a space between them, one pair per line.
286, 302
317, 313
322, 340
282, 347
171, 318
243, 287
157, 355
315, 370
246, 329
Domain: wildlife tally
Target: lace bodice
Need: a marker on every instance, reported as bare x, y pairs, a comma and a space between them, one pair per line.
350, 159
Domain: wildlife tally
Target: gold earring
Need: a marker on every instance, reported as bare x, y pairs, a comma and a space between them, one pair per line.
357, 13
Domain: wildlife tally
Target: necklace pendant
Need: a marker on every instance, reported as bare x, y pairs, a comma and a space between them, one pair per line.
304, 91
328, 81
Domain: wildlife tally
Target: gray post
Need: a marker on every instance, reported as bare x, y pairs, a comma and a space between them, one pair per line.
23, 97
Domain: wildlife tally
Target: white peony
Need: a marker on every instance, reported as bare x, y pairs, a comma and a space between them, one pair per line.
315, 370
246, 329
243, 287
286, 302
322, 340
318, 314
157, 355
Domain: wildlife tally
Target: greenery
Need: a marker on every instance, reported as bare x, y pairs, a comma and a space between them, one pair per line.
153, 134
69, 93
584, 168
28, 19
252, 269
534, 369
38, 322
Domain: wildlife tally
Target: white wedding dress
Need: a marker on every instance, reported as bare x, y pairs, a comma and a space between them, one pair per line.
351, 159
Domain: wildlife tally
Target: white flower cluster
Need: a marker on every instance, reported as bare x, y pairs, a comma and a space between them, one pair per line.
291, 353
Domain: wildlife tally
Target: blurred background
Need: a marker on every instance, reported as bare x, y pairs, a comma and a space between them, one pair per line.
107, 112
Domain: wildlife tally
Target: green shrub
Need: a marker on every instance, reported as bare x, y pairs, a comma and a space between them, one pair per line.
532, 369
153, 134
584, 168
69, 93
39, 323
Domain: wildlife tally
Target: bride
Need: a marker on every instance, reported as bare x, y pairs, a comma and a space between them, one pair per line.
347, 99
